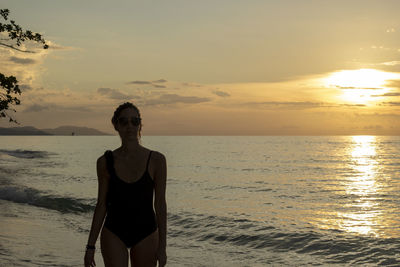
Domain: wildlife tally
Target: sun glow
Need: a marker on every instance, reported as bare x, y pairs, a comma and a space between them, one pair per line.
361, 86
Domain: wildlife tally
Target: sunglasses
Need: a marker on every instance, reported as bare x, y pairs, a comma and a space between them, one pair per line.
134, 120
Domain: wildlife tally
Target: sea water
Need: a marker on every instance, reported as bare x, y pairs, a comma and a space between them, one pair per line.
232, 201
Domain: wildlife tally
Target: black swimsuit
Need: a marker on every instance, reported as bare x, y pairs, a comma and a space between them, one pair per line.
130, 213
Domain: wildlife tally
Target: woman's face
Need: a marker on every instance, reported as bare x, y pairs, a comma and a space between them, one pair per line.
128, 123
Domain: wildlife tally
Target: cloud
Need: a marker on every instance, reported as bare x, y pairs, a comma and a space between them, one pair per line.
25, 66
299, 105
24, 61
25, 87
390, 63
153, 83
54, 46
36, 108
192, 84
114, 94
378, 47
166, 99
59, 107
393, 104
139, 82
382, 115
393, 84
387, 94
72, 108
160, 81
351, 105
392, 94
221, 93
351, 87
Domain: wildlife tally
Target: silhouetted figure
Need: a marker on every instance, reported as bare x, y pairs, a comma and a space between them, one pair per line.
128, 177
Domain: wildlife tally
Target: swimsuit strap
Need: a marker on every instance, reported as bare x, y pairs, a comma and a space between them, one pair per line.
110, 161
148, 160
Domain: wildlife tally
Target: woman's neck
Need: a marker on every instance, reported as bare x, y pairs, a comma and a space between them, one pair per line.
130, 146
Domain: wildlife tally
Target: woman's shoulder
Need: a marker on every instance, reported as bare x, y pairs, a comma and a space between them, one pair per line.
157, 164
157, 156
101, 166
103, 156
102, 160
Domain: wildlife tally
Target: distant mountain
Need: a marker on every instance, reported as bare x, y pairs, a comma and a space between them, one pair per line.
73, 130
26, 130
62, 130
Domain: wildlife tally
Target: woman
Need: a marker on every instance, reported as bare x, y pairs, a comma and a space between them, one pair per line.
127, 178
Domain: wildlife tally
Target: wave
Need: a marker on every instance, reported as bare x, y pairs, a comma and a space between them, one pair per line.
34, 197
27, 154
329, 246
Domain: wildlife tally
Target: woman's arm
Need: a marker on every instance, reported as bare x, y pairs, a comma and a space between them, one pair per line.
100, 210
160, 180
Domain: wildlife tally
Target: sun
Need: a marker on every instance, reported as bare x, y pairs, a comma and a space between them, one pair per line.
360, 86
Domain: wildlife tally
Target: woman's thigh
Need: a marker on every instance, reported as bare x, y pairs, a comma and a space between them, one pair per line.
114, 251
144, 253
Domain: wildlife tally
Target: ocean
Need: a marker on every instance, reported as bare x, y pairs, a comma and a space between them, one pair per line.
232, 201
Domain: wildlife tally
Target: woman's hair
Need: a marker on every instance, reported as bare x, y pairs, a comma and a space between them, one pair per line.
118, 111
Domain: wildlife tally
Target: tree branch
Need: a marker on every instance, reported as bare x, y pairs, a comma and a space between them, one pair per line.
9, 85
15, 48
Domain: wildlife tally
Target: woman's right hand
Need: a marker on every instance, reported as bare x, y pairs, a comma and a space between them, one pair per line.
89, 258
161, 257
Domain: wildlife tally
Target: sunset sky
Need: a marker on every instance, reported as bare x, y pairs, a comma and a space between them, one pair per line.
297, 67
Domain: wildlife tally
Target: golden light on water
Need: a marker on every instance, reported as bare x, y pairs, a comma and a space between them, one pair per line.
364, 165
362, 215
363, 192
361, 86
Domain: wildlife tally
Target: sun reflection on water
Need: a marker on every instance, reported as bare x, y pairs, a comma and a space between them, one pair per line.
363, 197
364, 165
361, 215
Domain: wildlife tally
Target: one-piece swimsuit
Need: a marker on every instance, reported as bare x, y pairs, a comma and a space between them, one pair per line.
130, 214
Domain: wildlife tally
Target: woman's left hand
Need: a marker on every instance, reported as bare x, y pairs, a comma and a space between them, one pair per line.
89, 258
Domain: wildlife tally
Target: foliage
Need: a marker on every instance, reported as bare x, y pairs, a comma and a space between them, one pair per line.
16, 37
17, 34
10, 85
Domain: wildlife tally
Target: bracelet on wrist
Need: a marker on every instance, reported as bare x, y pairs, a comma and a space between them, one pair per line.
90, 247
